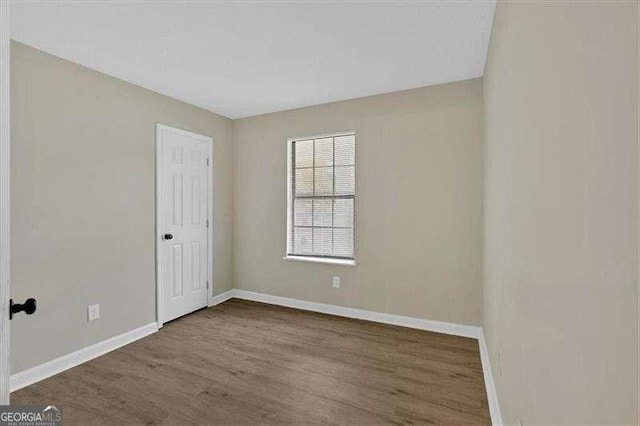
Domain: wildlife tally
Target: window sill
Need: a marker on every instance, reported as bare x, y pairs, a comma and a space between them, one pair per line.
328, 261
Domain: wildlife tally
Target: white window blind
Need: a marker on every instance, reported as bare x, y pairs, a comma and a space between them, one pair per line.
322, 197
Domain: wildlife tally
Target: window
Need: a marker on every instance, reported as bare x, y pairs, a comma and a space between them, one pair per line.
321, 197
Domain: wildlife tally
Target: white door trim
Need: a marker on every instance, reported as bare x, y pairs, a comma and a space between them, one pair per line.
5, 172
159, 291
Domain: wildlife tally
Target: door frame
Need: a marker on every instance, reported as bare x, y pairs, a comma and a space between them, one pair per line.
5, 173
158, 239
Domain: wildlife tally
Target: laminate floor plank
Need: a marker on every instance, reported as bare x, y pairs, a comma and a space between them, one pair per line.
244, 362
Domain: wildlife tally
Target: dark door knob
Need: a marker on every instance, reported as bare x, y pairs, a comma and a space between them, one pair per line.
168, 236
29, 307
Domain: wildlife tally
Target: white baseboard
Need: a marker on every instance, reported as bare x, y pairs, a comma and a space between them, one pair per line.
422, 324
222, 297
343, 311
58, 365
492, 395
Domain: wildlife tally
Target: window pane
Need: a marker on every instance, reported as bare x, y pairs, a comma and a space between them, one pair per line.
324, 152
322, 241
302, 213
322, 216
343, 242
304, 153
302, 241
324, 181
343, 213
345, 180
322, 212
304, 181
345, 150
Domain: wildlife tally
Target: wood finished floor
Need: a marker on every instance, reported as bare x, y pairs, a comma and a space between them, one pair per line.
246, 363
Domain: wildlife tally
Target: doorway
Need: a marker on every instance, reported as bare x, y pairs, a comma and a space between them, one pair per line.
184, 195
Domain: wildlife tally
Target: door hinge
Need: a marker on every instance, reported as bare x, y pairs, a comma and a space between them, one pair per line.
207, 223
207, 284
207, 161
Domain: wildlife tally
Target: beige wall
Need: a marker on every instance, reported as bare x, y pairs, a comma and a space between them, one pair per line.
560, 203
82, 202
418, 204
561, 103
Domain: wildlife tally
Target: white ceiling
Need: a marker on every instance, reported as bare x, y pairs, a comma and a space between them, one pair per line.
245, 58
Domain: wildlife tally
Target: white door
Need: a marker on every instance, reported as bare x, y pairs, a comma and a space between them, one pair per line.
183, 203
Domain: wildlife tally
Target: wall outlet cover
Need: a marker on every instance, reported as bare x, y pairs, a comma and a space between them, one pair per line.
336, 282
93, 312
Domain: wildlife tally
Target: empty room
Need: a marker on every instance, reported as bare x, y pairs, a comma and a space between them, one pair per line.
319, 212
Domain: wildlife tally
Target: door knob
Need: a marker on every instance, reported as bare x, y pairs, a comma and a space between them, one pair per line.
29, 307
168, 236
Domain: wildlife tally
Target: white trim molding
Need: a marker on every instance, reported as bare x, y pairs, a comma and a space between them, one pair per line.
65, 362
492, 394
5, 172
403, 321
58, 365
343, 311
220, 298
325, 260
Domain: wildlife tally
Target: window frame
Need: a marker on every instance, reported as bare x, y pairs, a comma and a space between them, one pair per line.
336, 260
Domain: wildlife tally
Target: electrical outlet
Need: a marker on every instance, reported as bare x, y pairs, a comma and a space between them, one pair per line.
93, 312
336, 282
